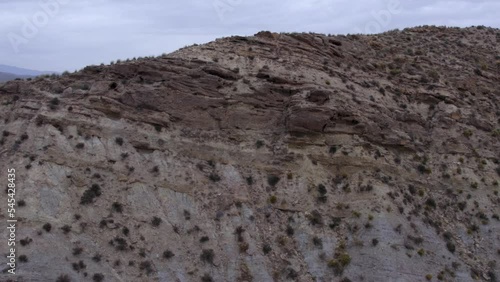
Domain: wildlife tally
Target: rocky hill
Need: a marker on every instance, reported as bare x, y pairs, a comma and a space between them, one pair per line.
275, 157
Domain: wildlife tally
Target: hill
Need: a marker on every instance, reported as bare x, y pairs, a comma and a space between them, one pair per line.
275, 157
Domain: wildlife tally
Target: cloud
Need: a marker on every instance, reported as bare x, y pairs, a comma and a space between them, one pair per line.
87, 32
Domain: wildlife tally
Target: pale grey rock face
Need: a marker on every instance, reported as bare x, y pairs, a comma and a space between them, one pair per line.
277, 157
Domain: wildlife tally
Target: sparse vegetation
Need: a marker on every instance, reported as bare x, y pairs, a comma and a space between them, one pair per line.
214, 177
168, 254
273, 180
90, 194
119, 141
156, 221
207, 256
47, 227
117, 207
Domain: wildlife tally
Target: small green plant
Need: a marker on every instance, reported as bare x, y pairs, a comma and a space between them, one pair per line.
341, 261
273, 199
468, 133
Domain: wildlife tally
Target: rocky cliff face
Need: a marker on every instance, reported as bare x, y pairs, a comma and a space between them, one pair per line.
276, 157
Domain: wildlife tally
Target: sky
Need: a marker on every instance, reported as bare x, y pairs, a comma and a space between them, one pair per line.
59, 35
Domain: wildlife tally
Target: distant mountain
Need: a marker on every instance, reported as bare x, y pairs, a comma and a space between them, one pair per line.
10, 76
21, 71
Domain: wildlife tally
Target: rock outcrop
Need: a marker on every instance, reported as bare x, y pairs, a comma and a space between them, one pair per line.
275, 157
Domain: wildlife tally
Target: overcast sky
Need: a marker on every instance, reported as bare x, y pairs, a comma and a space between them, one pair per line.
63, 35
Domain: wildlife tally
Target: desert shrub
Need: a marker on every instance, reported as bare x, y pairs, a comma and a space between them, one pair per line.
249, 180
207, 256
204, 239
335, 222
206, 278
66, 229
23, 258
423, 169
63, 278
80, 145
156, 221
259, 144
119, 141
333, 149
273, 180
97, 258
54, 101
21, 203
322, 189
430, 202
451, 247
317, 241
113, 85
117, 207
243, 246
273, 199
168, 254
341, 261
187, 215
214, 177
289, 230
98, 277
146, 266
26, 241
315, 218
266, 248
119, 243
90, 194
77, 251
47, 227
